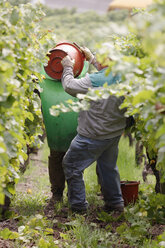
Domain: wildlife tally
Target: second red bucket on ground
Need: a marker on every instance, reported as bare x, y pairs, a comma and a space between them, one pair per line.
130, 190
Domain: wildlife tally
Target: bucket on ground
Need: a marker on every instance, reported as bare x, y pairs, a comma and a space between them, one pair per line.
130, 191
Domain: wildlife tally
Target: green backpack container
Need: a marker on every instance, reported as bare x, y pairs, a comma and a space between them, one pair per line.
60, 130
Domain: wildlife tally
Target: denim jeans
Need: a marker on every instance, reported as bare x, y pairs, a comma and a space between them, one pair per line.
83, 152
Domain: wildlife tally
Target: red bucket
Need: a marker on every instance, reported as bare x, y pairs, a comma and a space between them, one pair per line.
130, 191
54, 68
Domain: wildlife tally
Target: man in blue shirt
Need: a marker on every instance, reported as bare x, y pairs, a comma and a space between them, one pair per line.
99, 131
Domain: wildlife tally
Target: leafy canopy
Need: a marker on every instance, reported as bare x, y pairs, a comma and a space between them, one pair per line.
22, 50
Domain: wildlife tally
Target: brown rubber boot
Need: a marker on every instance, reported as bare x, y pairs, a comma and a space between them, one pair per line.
56, 175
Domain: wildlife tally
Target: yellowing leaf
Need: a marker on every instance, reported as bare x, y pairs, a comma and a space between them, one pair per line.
142, 96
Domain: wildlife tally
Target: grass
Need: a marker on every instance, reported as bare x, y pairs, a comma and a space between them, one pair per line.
78, 231
34, 184
29, 204
126, 162
33, 188
37, 175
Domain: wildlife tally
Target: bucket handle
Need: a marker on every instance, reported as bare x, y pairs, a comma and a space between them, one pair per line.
75, 44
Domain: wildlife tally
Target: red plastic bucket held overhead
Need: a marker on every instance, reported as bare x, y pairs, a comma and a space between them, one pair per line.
130, 191
54, 68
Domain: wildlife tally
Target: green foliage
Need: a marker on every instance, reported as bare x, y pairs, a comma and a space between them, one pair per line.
142, 69
152, 206
37, 230
106, 217
18, 2
22, 49
86, 28
137, 55
133, 234
95, 229
78, 236
137, 228
7, 234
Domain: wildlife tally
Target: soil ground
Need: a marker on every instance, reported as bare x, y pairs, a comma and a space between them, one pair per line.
31, 181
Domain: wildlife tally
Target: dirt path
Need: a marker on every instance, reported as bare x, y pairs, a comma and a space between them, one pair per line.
36, 171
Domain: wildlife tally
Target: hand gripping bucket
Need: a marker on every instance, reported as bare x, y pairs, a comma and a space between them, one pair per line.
54, 68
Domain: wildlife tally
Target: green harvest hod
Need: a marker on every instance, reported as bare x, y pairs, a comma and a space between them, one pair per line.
60, 130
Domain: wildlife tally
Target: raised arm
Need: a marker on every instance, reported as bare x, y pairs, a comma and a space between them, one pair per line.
91, 58
70, 84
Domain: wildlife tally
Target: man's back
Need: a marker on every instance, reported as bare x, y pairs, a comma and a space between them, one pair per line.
103, 120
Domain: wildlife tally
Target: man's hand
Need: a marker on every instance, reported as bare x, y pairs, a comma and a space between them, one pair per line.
88, 54
67, 61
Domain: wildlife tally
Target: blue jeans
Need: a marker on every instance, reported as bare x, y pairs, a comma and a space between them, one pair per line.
82, 153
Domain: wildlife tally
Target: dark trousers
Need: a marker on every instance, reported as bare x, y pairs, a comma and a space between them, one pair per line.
56, 174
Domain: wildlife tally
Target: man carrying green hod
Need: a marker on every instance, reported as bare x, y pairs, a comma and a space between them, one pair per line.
99, 131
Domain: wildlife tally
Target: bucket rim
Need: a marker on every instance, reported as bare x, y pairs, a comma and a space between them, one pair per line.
129, 183
70, 44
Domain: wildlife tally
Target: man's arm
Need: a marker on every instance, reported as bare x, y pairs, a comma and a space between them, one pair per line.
96, 64
70, 84
91, 58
